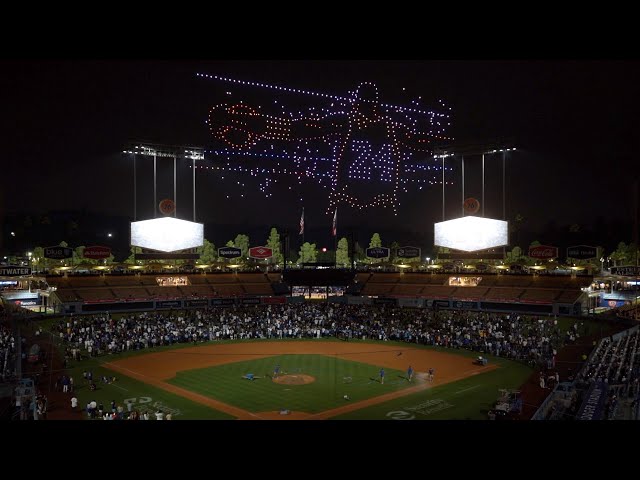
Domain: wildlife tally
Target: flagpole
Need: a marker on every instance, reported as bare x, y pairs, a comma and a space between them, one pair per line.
335, 237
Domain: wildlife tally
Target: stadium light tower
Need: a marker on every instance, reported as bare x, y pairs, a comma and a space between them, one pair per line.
168, 151
489, 233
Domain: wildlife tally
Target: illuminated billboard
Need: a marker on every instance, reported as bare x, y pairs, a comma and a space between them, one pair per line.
471, 233
167, 234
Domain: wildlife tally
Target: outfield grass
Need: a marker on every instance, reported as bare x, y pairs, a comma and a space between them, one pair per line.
334, 378
142, 395
467, 399
470, 398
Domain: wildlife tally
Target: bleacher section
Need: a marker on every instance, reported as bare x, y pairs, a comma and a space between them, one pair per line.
438, 291
402, 289
568, 296
504, 294
615, 364
125, 288
539, 295
531, 292
465, 293
543, 294
95, 294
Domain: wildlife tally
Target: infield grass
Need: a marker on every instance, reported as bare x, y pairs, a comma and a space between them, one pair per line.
334, 378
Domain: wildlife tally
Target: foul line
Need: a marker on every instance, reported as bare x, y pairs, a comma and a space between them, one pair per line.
193, 396
466, 389
334, 412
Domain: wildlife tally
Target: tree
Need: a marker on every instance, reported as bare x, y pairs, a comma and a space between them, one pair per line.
274, 244
131, 260
37, 258
376, 241
242, 242
394, 252
621, 255
514, 256
342, 253
308, 253
230, 244
207, 252
78, 257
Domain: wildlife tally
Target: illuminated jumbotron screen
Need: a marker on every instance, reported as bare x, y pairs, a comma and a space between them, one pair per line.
167, 234
470, 234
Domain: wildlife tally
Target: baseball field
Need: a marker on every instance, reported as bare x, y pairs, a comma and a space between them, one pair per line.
315, 380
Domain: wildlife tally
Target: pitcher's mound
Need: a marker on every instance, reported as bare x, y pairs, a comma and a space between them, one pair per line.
297, 379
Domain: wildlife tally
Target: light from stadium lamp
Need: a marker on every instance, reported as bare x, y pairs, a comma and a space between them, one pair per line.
470, 234
167, 234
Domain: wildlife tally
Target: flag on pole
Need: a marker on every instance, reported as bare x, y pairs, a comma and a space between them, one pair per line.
334, 228
302, 223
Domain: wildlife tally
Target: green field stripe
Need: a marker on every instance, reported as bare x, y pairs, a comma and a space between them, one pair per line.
128, 388
224, 383
467, 399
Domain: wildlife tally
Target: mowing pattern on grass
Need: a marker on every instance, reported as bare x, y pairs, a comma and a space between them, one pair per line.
467, 399
160, 367
141, 395
335, 378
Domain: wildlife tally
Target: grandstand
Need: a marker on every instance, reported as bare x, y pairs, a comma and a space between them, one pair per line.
551, 294
132, 292
606, 388
555, 294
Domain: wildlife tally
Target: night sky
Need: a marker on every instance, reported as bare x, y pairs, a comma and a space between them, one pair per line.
575, 124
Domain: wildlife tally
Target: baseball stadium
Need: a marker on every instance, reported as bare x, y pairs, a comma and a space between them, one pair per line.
467, 322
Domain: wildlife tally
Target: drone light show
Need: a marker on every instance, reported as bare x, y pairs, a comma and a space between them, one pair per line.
365, 153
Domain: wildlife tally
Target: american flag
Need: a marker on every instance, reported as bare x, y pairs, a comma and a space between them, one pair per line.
334, 228
302, 223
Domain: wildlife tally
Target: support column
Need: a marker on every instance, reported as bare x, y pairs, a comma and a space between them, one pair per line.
194, 189
443, 188
155, 186
462, 186
135, 190
483, 184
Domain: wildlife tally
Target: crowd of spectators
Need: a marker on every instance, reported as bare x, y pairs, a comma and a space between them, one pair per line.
616, 363
7, 348
531, 339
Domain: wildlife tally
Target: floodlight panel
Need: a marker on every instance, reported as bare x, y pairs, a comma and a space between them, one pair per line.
471, 233
167, 234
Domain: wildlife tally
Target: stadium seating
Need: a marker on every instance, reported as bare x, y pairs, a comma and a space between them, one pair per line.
539, 295
475, 293
219, 278
568, 296
505, 294
197, 291
258, 288
403, 289
95, 294
437, 291
126, 293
